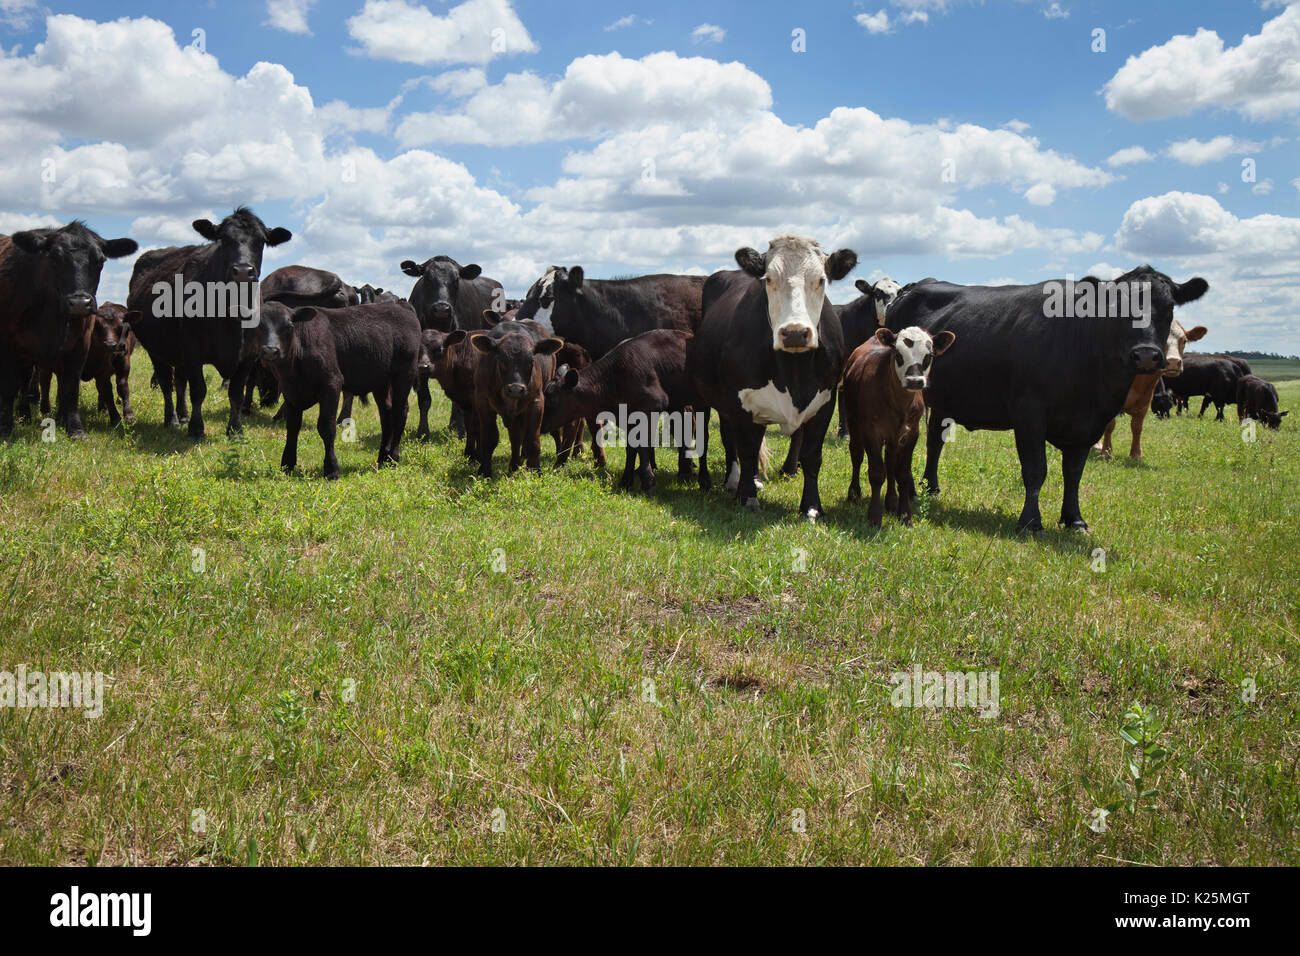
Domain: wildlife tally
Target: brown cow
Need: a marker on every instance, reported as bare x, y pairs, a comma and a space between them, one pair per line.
1143, 389
108, 360
883, 402
517, 359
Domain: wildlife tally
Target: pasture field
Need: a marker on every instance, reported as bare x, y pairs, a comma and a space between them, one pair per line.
1276, 370
418, 667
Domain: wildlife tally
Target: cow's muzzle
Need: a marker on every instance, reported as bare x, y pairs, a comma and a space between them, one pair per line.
243, 272
795, 338
514, 393
1147, 358
270, 352
80, 304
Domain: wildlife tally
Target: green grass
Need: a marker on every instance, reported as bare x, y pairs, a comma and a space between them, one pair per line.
1276, 370
349, 680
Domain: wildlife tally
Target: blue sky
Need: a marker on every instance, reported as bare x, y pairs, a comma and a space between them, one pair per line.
976, 142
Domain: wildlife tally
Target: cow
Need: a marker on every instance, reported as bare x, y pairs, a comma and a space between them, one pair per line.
368, 293
568, 440
1142, 392
645, 374
1162, 400
448, 296
1212, 376
769, 352
108, 362
48, 282
318, 353
180, 341
600, 313
882, 400
449, 359
1052, 362
1257, 399
517, 359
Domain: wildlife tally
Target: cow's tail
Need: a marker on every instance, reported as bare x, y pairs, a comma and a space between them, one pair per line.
764, 459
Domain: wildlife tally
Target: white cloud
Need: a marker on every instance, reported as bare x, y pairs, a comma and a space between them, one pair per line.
874, 22
1129, 155
1189, 224
18, 14
708, 33
1262, 188
475, 31
1056, 12
290, 15
1015, 125
1223, 188
1296, 184
630, 20
1259, 78
1193, 152
1040, 194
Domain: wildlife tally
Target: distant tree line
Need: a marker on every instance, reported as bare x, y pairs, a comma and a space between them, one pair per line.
1261, 356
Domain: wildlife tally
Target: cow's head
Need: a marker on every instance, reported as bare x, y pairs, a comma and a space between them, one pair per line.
242, 237
1273, 419
1145, 339
68, 263
794, 271
882, 294
519, 364
113, 328
1177, 341
273, 339
435, 351
561, 401
441, 278
557, 286
914, 353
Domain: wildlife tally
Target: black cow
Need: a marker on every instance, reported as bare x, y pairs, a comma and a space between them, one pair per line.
600, 313
1162, 401
1020, 363
769, 352
180, 344
1213, 376
317, 353
448, 296
1257, 399
48, 282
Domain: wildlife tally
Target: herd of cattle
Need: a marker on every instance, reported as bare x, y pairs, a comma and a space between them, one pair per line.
760, 345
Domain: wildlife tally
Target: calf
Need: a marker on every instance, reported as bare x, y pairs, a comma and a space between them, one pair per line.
318, 353
517, 359
770, 352
568, 440
645, 374
108, 361
181, 340
449, 359
48, 282
882, 400
1142, 392
1162, 400
1257, 399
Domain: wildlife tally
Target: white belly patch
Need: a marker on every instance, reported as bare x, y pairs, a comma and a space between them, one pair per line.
773, 406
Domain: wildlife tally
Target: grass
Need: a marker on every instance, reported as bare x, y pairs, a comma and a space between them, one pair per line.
1276, 370
349, 680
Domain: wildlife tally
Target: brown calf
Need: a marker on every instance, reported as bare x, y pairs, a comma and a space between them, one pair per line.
108, 360
883, 402
517, 359
1140, 393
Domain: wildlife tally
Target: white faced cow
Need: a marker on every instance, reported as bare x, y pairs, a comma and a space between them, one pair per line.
769, 351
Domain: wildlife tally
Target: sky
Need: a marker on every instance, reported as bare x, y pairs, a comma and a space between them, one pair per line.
977, 142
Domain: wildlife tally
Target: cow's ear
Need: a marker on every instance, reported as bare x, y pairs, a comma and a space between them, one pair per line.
1196, 333
571, 379
840, 263
471, 271
205, 228
575, 278
305, 314
1190, 291
455, 337
410, 268
117, 248
484, 343
885, 337
491, 317
134, 315
33, 243
548, 346
943, 341
278, 236
751, 262
863, 286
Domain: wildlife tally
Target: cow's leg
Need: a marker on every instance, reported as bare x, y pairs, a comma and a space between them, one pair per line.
810, 460
747, 440
106, 400
292, 425
1205, 403
732, 479
198, 392
646, 472
13, 380
22, 380
400, 394
68, 406
182, 383
629, 469
250, 385
1218, 407
471, 432
876, 476
685, 466
1104, 446
891, 472
843, 431
425, 400
345, 410
702, 439
933, 449
855, 467
327, 427
46, 377
903, 476
384, 406
488, 436
597, 449
457, 420
124, 393
1072, 462
791, 466
1031, 446
235, 392
1135, 426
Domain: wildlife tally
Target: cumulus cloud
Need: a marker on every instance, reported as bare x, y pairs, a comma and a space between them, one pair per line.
1056, 12
877, 22
1194, 152
630, 20
708, 33
290, 15
475, 31
1259, 78
1129, 155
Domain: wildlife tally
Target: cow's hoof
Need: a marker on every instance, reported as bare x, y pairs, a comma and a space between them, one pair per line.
1078, 524
751, 505
129, 418
789, 472
854, 495
331, 476
1031, 526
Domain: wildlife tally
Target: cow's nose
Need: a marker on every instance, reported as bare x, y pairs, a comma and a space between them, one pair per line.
442, 308
1173, 367
81, 303
796, 338
915, 383
243, 272
270, 351
515, 392
1146, 358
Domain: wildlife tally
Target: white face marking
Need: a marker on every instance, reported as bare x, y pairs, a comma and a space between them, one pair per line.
913, 356
796, 289
1174, 347
770, 405
890, 289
